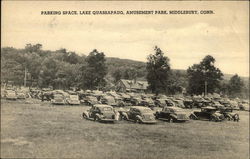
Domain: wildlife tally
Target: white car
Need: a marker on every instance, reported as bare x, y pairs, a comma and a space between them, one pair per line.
11, 95
73, 100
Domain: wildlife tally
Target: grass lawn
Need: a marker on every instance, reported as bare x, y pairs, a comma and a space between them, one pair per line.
32, 129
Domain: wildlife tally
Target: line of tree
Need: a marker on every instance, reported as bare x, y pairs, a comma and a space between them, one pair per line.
64, 69
202, 78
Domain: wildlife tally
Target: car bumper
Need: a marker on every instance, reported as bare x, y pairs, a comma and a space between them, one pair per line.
182, 119
108, 120
149, 122
11, 98
59, 103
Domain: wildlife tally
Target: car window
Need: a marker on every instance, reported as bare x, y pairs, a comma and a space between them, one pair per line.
107, 109
171, 110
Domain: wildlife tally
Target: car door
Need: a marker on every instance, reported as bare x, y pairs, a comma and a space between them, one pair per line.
204, 114
136, 112
165, 113
93, 111
130, 113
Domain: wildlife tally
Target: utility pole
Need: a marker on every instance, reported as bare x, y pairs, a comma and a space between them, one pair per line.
25, 76
205, 88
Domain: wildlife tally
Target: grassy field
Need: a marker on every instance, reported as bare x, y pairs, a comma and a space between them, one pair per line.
32, 129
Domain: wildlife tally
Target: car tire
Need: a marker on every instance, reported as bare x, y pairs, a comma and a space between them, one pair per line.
192, 117
228, 118
171, 120
138, 121
213, 119
236, 117
84, 116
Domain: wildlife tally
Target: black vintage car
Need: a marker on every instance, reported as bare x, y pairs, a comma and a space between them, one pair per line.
172, 114
139, 114
90, 100
207, 113
229, 114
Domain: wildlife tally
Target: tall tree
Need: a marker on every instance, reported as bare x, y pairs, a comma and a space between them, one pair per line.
204, 75
235, 86
94, 71
158, 71
117, 75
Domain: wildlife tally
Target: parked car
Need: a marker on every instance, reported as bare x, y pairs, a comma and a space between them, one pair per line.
234, 104
90, 100
170, 103
179, 103
217, 105
58, 99
136, 100
160, 102
109, 100
126, 99
139, 114
20, 95
73, 100
148, 102
172, 114
207, 113
229, 114
244, 105
188, 103
100, 112
10, 95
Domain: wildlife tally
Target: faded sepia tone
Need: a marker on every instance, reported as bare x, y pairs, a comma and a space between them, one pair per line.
38, 126
185, 38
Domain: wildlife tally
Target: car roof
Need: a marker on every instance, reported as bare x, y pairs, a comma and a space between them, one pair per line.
208, 107
102, 106
140, 107
174, 108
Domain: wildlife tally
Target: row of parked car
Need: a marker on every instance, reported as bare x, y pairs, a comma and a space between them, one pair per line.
126, 99
11, 94
140, 114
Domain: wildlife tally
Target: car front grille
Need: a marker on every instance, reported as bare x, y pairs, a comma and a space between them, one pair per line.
181, 116
148, 117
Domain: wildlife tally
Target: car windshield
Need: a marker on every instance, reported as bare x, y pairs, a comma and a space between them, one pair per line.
110, 99
178, 110
107, 109
92, 98
58, 96
146, 110
74, 97
11, 93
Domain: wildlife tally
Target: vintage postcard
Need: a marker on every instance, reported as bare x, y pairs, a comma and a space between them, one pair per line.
125, 79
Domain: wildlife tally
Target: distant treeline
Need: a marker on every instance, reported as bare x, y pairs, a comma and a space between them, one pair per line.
64, 69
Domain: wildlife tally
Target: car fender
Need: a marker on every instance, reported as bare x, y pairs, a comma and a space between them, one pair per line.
216, 117
86, 113
229, 115
99, 115
139, 117
236, 116
173, 116
193, 114
124, 115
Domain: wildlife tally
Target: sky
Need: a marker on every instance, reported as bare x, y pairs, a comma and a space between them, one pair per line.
186, 39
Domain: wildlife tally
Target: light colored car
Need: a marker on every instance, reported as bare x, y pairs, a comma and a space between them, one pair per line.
101, 113
109, 100
11, 95
244, 105
73, 100
20, 95
58, 99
